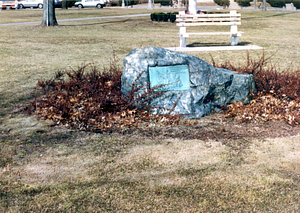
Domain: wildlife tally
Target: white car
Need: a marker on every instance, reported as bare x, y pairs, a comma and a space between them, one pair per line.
7, 4
31, 3
90, 3
36, 4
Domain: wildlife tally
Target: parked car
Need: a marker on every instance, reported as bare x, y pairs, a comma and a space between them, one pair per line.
7, 4
36, 4
31, 3
90, 3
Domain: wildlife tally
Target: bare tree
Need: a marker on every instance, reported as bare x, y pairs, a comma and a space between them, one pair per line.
49, 18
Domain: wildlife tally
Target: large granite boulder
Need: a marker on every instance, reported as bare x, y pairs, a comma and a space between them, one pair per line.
209, 87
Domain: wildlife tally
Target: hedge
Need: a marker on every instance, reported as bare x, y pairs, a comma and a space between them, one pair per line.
70, 3
129, 2
281, 3
243, 3
296, 3
173, 16
277, 3
166, 2
224, 3
164, 16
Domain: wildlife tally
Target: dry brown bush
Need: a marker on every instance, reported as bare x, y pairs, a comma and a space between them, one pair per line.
278, 92
92, 100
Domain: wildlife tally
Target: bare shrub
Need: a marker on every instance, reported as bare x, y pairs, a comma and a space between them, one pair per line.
92, 100
89, 99
278, 92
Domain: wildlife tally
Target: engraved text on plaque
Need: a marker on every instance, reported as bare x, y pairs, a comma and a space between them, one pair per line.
172, 77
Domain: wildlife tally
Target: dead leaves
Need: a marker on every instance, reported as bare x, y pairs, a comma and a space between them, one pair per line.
278, 92
93, 101
266, 107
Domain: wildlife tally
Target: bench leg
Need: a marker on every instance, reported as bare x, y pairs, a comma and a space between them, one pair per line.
182, 31
182, 41
234, 40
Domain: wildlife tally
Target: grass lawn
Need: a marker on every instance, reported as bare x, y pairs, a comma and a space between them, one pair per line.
223, 166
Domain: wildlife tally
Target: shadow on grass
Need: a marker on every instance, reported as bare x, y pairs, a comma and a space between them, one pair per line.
98, 23
199, 44
268, 16
11, 103
200, 191
38, 141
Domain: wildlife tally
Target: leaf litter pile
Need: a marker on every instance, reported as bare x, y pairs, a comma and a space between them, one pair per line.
89, 99
277, 97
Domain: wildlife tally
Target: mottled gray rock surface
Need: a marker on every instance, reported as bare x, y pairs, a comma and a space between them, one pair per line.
209, 86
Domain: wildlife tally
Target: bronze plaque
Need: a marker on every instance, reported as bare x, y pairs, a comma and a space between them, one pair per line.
170, 77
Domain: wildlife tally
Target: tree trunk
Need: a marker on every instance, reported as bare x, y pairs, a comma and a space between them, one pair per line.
49, 18
264, 5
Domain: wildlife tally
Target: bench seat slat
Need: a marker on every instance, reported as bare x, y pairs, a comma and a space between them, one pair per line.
208, 15
207, 23
210, 33
210, 20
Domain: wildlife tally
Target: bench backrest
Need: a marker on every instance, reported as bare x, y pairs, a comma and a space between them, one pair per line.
186, 20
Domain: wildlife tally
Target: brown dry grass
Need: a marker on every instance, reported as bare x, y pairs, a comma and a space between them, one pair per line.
215, 166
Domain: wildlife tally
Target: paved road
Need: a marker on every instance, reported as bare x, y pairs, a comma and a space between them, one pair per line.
76, 19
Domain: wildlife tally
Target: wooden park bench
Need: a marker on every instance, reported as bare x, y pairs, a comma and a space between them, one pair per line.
232, 19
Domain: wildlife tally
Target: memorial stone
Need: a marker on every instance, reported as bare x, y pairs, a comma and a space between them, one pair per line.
196, 86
